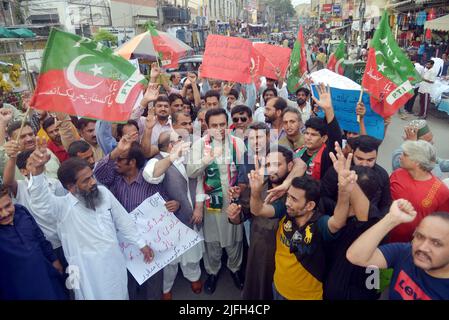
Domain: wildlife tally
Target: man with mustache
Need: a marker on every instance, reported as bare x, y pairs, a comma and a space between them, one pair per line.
88, 220
121, 172
262, 243
86, 131
26, 141
420, 268
29, 269
303, 231
292, 124
303, 101
55, 143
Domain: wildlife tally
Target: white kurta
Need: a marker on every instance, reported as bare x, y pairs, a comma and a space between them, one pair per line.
216, 225
89, 240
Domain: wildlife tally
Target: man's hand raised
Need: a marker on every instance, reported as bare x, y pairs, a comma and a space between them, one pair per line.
39, 157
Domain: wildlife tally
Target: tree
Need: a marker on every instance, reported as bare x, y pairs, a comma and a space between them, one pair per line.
105, 36
283, 9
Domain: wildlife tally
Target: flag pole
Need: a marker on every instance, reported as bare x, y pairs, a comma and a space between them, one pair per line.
360, 100
23, 123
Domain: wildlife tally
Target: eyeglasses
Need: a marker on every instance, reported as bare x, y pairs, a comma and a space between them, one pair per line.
242, 119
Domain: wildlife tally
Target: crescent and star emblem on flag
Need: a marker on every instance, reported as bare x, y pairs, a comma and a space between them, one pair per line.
72, 77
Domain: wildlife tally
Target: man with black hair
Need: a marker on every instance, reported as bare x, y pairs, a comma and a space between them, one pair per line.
29, 269
345, 280
83, 150
86, 130
212, 99
26, 141
175, 79
55, 142
215, 158
267, 94
176, 103
292, 124
122, 173
20, 193
320, 137
231, 98
420, 267
365, 150
88, 219
182, 125
242, 117
303, 101
425, 88
300, 256
262, 243
273, 116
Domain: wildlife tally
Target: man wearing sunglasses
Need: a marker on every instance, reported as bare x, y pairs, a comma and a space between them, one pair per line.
242, 117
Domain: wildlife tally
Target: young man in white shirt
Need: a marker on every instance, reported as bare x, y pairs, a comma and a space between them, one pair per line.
428, 79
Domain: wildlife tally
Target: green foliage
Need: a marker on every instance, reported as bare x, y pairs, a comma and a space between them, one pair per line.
104, 35
148, 24
282, 8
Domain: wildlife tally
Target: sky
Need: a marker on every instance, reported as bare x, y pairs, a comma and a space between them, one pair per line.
296, 2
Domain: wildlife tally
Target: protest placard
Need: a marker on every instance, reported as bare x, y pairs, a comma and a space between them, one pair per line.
163, 232
274, 57
227, 58
344, 103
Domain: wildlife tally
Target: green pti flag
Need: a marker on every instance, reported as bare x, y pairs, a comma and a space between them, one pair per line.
389, 74
337, 58
84, 78
298, 63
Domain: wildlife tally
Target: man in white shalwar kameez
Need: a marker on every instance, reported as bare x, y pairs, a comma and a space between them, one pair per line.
214, 159
87, 221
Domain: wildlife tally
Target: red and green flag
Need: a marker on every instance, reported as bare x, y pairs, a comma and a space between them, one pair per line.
337, 58
389, 74
84, 78
168, 49
298, 63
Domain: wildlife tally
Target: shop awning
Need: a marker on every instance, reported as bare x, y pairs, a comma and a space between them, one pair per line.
438, 24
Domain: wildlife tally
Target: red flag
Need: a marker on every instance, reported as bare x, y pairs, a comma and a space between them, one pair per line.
389, 75
303, 61
84, 78
298, 63
227, 58
275, 57
257, 65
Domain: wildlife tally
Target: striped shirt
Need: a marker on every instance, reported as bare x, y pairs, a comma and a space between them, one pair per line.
130, 195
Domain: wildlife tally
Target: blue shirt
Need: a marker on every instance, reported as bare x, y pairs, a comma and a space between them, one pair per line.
26, 270
408, 281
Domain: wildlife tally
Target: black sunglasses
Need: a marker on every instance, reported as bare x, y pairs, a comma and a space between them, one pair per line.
243, 119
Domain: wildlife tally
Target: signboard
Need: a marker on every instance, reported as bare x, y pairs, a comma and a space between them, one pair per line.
123, 33
227, 58
327, 7
336, 8
355, 70
163, 232
345, 102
